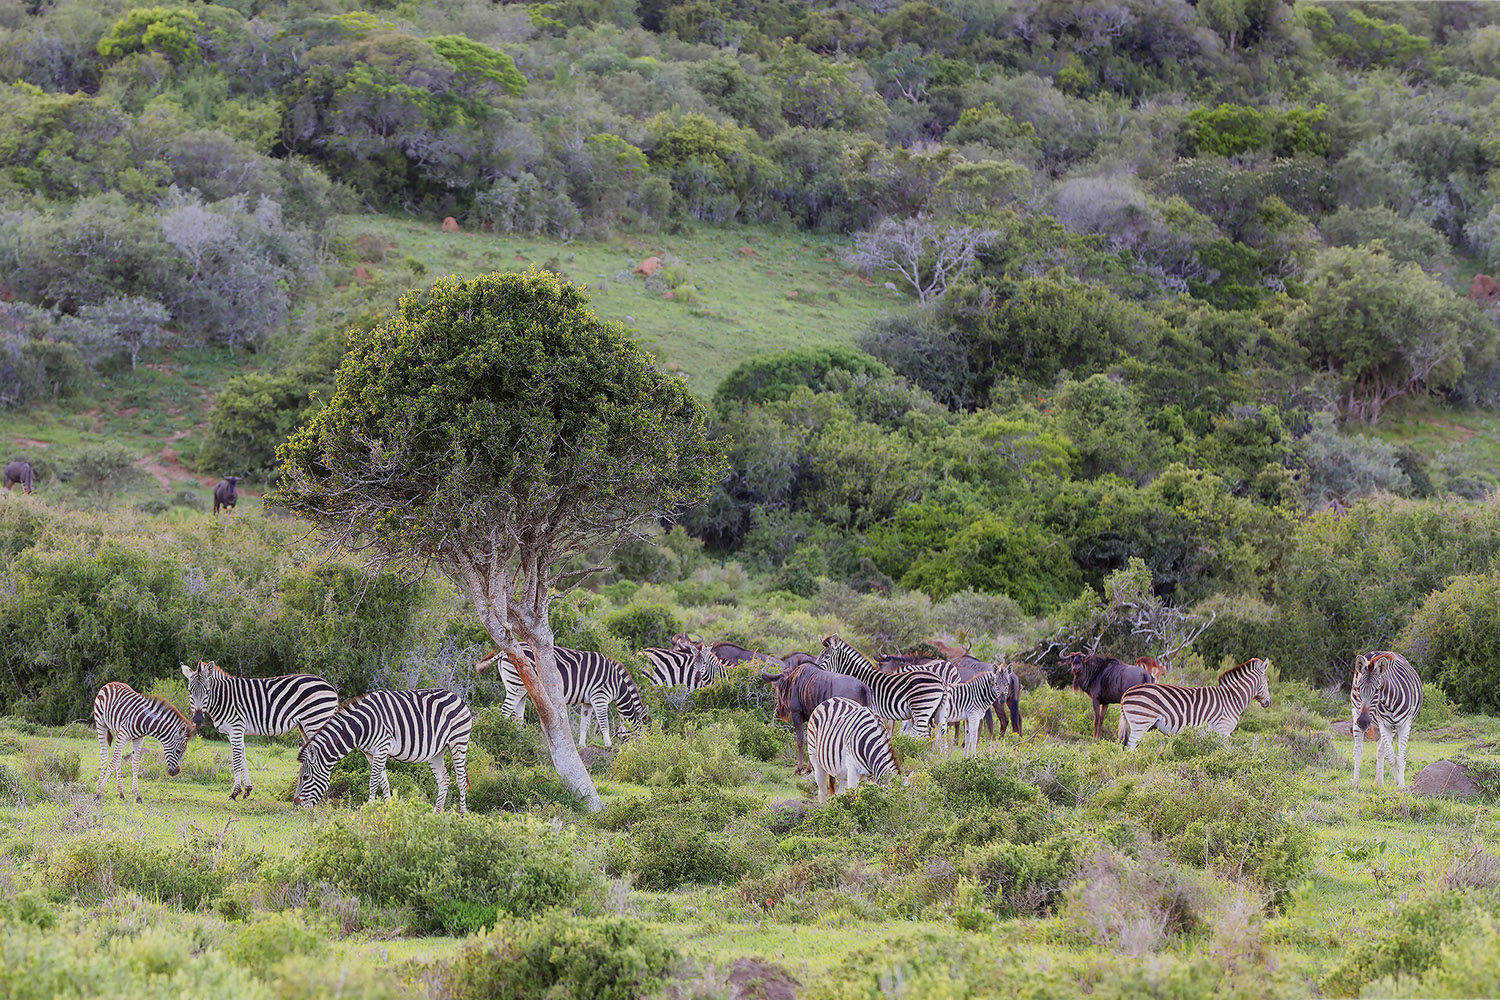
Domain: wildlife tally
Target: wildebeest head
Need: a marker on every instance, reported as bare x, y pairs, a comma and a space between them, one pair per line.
1075, 665
784, 685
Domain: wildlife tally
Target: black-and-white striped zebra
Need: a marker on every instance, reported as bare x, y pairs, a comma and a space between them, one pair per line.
257, 706
917, 694
123, 715
687, 664
970, 700
1173, 708
1371, 731
1388, 693
845, 741
589, 679
385, 725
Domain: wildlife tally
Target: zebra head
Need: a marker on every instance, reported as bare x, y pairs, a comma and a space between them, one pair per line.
707, 665
174, 747
1260, 684
197, 684
314, 775
1370, 674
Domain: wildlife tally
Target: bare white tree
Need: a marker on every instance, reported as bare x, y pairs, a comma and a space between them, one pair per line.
928, 254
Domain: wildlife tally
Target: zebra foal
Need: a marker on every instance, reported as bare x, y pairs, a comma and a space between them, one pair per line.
123, 715
589, 679
845, 741
1387, 692
1173, 708
971, 700
257, 706
917, 694
386, 725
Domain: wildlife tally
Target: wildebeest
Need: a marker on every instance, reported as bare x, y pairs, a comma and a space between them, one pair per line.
797, 658
803, 688
1106, 680
225, 494
18, 474
732, 653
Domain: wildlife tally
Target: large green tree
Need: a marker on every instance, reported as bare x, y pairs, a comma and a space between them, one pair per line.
495, 427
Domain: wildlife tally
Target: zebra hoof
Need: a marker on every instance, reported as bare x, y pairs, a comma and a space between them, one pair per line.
234, 795
137, 800
247, 791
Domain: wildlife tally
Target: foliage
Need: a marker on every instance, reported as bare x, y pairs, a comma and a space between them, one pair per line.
1452, 638
643, 625
611, 958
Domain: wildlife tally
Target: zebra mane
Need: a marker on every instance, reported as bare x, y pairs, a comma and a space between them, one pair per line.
211, 663
164, 703
1241, 666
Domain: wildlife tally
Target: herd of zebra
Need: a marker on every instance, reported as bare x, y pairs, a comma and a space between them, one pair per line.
843, 707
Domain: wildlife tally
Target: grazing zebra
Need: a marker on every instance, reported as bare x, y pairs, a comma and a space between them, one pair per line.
971, 700
846, 741
123, 715
916, 694
589, 679
687, 664
1387, 692
258, 706
400, 725
1173, 708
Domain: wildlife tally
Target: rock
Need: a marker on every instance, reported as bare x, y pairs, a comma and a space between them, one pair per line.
753, 979
450, 225
362, 273
785, 814
891, 285
648, 267
1485, 290
1443, 777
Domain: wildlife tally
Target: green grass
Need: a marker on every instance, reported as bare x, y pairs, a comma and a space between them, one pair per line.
759, 290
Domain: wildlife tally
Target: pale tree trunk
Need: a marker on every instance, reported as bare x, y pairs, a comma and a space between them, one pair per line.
510, 625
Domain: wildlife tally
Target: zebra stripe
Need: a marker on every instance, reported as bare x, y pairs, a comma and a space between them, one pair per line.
400, 725
946, 669
694, 667
1173, 708
918, 694
257, 706
589, 679
123, 715
1387, 692
846, 741
969, 701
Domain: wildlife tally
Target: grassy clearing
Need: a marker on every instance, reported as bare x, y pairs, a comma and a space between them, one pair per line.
754, 290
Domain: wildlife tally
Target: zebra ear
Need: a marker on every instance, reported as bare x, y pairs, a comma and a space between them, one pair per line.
829, 640
187, 671
1361, 662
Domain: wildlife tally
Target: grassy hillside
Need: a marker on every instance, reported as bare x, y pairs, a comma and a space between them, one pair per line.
754, 290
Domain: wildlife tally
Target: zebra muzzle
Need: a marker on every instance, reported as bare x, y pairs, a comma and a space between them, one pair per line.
198, 718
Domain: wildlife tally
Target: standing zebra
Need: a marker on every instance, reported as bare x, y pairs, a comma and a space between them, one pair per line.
259, 706
400, 725
123, 715
687, 664
1172, 708
1387, 692
589, 679
916, 694
969, 701
845, 740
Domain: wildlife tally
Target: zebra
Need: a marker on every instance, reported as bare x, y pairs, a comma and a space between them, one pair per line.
589, 679
404, 725
123, 715
1387, 692
687, 664
1371, 731
1173, 708
845, 740
969, 701
916, 694
259, 706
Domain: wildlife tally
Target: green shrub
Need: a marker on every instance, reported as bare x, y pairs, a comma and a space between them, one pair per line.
741, 688
978, 783
515, 789
563, 958
191, 872
773, 377
693, 756
1454, 639
1023, 879
270, 937
46, 764
700, 805
401, 853
12, 787
680, 835
508, 742
1466, 967
642, 625
1410, 943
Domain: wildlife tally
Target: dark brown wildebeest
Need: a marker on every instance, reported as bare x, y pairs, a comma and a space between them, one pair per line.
1106, 680
803, 688
732, 653
18, 474
225, 494
796, 659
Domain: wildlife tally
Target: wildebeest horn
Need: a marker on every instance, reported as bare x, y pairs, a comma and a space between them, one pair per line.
769, 677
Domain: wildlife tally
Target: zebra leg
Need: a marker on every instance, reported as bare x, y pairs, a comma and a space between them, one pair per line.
601, 716
104, 741
379, 782
237, 758
1402, 735
1382, 753
851, 776
822, 779
1359, 748
440, 772
135, 770
583, 727
461, 775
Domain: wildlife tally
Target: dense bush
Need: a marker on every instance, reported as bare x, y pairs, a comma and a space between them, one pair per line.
93, 866
451, 869
1453, 640
693, 756
643, 625
570, 958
